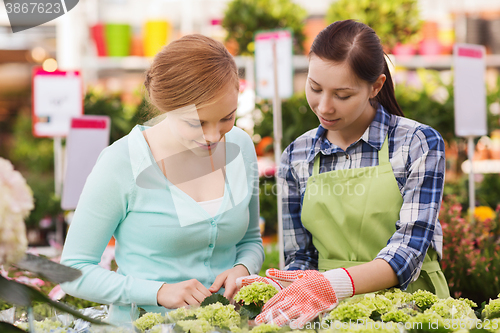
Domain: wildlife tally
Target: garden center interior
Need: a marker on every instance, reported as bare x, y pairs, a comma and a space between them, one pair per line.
112, 43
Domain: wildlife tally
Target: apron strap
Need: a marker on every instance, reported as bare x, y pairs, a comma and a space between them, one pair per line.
316, 165
383, 153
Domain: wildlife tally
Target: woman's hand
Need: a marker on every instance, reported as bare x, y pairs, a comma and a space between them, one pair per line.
227, 279
176, 295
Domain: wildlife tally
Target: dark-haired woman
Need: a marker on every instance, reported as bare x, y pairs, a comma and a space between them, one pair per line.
362, 192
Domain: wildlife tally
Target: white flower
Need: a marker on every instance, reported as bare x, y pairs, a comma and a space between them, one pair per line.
16, 201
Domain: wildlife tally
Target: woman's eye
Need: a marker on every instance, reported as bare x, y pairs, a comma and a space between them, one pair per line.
228, 119
197, 125
343, 97
314, 90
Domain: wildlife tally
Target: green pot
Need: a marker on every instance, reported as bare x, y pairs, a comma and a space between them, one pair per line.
118, 39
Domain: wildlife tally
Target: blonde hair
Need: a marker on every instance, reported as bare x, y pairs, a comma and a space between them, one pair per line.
194, 69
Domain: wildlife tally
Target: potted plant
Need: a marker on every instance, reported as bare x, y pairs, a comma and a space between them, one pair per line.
394, 21
243, 18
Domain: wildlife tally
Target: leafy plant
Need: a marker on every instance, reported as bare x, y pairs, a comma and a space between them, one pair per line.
393, 20
297, 118
243, 18
471, 253
122, 117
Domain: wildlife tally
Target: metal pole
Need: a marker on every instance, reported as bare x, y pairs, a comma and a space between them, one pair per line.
58, 165
472, 192
277, 151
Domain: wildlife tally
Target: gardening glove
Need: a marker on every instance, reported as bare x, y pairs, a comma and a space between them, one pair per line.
310, 294
247, 280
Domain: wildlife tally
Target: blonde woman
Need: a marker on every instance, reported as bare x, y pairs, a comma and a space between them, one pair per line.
180, 197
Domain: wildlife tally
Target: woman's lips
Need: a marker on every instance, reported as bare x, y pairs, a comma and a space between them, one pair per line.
328, 122
207, 147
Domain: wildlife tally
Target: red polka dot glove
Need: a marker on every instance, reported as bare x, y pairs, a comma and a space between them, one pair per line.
247, 280
310, 294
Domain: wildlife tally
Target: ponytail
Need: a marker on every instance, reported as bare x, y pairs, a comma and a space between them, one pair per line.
386, 95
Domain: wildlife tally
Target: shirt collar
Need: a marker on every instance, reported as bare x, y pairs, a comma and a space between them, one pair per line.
374, 135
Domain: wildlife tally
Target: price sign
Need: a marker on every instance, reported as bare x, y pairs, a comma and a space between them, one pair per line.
264, 70
470, 90
57, 97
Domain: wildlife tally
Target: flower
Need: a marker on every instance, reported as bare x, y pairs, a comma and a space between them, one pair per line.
483, 213
16, 201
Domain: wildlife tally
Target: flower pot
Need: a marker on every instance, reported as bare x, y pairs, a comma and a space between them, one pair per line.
156, 33
430, 47
98, 35
118, 38
404, 50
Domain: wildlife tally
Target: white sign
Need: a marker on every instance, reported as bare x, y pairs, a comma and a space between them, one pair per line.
264, 63
470, 90
88, 136
57, 97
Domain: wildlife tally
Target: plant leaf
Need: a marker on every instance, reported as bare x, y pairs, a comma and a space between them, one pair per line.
214, 298
48, 269
252, 310
23, 295
9, 328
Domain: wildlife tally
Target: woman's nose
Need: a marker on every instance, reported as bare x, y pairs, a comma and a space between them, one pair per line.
325, 104
212, 134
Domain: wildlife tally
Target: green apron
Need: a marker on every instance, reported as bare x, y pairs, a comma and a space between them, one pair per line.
351, 215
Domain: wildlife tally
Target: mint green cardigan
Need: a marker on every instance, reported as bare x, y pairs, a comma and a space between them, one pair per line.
162, 234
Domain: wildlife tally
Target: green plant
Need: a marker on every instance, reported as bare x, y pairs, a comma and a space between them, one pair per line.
122, 117
269, 204
30, 154
243, 18
297, 118
488, 190
394, 21
471, 253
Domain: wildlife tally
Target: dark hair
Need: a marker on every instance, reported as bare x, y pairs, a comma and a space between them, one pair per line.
359, 45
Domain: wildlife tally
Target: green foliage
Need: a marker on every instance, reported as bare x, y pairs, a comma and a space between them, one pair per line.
272, 258
243, 18
148, 320
488, 191
424, 299
122, 117
30, 154
471, 253
432, 104
393, 20
47, 204
296, 115
492, 310
215, 298
269, 204
253, 297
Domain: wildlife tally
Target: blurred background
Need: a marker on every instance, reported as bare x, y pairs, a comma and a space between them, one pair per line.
112, 42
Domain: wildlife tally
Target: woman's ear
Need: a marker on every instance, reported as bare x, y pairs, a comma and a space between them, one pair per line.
377, 85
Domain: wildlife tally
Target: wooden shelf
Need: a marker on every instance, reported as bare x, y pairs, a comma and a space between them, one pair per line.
482, 166
300, 62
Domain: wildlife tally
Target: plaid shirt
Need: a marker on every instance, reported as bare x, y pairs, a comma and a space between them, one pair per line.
417, 156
